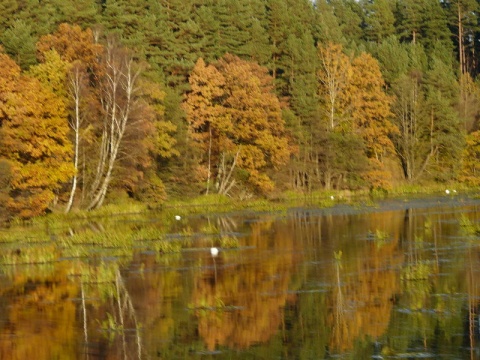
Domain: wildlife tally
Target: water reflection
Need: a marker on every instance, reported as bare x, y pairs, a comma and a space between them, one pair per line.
240, 295
398, 283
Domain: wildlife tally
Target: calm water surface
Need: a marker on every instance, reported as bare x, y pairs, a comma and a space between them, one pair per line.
396, 281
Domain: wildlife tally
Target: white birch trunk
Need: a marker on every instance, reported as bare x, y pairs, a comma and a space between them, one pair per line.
120, 77
75, 123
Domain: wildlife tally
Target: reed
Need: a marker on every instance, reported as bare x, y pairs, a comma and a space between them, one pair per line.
30, 255
468, 228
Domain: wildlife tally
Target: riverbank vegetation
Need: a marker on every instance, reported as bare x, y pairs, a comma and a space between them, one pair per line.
259, 102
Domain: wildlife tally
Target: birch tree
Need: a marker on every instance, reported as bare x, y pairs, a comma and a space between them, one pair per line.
334, 75
118, 89
75, 88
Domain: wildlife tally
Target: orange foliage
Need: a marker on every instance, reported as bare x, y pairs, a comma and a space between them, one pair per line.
72, 43
335, 76
257, 291
41, 318
232, 110
362, 301
372, 106
34, 140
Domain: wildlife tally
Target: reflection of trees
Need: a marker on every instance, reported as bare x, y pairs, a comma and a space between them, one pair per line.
473, 304
432, 310
153, 293
39, 317
366, 282
135, 313
115, 316
242, 305
340, 320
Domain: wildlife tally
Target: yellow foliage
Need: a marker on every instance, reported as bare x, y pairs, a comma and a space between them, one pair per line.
34, 136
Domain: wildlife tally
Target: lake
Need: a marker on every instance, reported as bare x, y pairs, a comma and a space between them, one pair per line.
395, 279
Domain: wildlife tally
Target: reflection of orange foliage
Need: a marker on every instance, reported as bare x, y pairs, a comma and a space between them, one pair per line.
363, 301
153, 297
40, 318
255, 288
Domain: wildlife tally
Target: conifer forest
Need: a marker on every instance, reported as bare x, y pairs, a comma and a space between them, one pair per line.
159, 99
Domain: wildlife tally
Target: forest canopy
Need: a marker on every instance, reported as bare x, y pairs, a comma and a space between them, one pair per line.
172, 98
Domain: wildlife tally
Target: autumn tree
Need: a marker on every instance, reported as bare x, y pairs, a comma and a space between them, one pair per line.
371, 116
34, 141
72, 43
470, 172
242, 118
117, 91
204, 111
131, 132
5, 177
334, 79
117, 124
334, 75
80, 59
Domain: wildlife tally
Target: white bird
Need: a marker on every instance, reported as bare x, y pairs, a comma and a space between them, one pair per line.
447, 191
332, 197
214, 251
177, 217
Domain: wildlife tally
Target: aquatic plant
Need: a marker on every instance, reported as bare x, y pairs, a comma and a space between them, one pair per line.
467, 226
428, 224
148, 233
420, 270
229, 242
337, 255
379, 237
166, 246
30, 255
209, 228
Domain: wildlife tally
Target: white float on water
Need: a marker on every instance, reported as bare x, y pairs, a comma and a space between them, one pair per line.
214, 251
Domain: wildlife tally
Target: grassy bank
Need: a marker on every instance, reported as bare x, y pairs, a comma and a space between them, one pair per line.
121, 228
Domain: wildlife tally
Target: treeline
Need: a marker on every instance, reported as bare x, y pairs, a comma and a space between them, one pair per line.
182, 97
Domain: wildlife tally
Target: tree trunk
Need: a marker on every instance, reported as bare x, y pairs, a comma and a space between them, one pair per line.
75, 88
117, 101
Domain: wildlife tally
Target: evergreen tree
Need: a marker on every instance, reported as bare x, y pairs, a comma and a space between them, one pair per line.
435, 27
304, 103
327, 27
8, 9
393, 57
410, 19
463, 18
444, 139
42, 15
179, 40
349, 17
379, 21
81, 12
278, 29
19, 43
